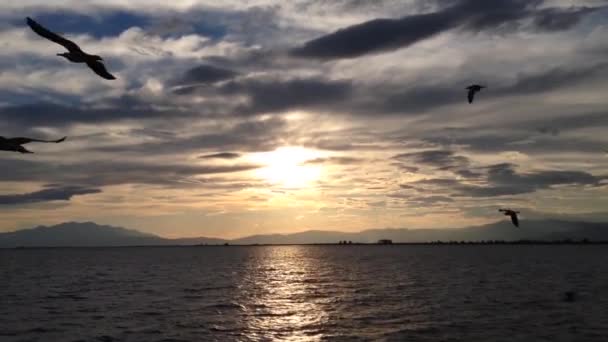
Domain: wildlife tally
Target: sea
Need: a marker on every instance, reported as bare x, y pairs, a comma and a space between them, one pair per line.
306, 293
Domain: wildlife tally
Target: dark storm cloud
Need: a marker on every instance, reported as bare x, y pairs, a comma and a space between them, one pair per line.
221, 155
64, 193
472, 15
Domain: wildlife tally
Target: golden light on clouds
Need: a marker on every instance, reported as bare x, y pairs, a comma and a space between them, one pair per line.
286, 166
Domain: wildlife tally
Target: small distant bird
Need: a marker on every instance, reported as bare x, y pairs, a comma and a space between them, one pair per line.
474, 88
513, 214
14, 144
74, 54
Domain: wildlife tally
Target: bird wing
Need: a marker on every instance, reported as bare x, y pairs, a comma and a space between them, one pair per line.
23, 150
515, 220
42, 31
24, 140
471, 95
100, 70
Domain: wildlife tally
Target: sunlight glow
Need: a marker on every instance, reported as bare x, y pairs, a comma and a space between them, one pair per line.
286, 166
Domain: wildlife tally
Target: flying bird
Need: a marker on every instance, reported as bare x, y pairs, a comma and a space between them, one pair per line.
74, 54
513, 214
474, 88
14, 144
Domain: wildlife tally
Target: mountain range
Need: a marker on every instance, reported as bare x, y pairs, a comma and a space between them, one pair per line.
89, 234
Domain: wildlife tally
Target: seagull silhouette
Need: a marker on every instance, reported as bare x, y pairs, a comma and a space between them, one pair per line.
74, 54
474, 88
14, 144
513, 214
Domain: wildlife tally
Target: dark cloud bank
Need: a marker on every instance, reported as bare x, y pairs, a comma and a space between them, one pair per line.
494, 180
470, 15
62, 193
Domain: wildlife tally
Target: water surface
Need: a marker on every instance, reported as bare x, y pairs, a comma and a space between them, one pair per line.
305, 293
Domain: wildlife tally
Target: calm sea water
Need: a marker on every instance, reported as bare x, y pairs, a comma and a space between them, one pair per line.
305, 293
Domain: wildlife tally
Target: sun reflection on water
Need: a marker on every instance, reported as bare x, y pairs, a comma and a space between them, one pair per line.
282, 296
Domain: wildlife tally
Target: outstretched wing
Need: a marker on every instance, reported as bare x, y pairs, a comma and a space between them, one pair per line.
24, 140
42, 31
471, 95
100, 70
515, 220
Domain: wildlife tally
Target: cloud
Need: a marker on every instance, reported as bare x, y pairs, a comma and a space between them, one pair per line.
503, 180
520, 137
502, 176
336, 161
430, 200
56, 115
249, 135
278, 95
552, 79
221, 155
61, 193
202, 86
205, 74
444, 160
105, 173
471, 15
557, 19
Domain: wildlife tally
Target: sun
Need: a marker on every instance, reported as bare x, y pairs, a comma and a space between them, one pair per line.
286, 166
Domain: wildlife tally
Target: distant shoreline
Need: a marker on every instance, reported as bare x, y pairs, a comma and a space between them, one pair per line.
451, 243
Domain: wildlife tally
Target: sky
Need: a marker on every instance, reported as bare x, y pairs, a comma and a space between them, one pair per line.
233, 118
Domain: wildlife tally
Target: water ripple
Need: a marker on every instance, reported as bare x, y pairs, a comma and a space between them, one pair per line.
305, 293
